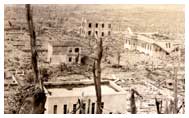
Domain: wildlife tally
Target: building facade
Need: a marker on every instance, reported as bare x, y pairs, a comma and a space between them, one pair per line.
99, 27
149, 46
71, 92
68, 52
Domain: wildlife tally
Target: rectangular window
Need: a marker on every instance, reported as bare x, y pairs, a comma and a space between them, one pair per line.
93, 108
109, 25
102, 34
77, 59
65, 109
84, 107
76, 50
96, 25
74, 108
96, 32
102, 105
103, 25
55, 109
70, 59
109, 33
89, 33
168, 45
90, 25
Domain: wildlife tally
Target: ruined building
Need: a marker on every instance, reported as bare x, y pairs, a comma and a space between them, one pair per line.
67, 51
84, 91
101, 28
155, 47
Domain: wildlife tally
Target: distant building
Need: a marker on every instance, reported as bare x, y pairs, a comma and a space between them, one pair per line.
67, 51
101, 28
113, 97
150, 46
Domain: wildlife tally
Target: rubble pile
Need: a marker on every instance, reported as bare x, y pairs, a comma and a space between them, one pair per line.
151, 77
16, 99
150, 81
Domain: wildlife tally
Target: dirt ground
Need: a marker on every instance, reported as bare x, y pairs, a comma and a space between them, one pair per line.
151, 77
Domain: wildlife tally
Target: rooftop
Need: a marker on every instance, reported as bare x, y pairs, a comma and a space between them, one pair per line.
77, 88
157, 39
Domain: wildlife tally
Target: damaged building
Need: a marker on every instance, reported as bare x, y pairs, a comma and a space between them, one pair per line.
67, 51
101, 28
84, 91
151, 46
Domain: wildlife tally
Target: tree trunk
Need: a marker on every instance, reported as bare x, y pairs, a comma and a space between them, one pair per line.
97, 77
39, 97
158, 103
132, 101
32, 42
132, 104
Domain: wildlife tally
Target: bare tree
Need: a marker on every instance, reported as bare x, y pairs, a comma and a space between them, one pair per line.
97, 76
35, 103
158, 105
132, 101
32, 43
173, 108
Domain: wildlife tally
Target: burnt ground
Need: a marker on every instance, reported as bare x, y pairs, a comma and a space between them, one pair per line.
150, 77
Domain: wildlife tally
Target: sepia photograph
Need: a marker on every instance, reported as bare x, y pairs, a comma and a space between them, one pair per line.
94, 59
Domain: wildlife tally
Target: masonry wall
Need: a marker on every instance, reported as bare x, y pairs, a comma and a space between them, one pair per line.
57, 59
141, 46
102, 29
115, 103
144, 47
64, 54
